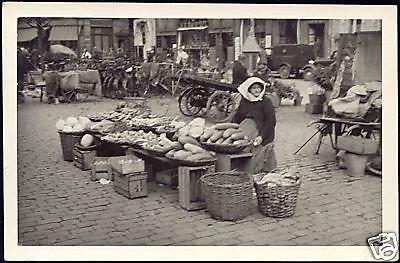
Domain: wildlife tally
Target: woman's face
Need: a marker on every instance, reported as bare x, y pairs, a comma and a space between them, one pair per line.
255, 89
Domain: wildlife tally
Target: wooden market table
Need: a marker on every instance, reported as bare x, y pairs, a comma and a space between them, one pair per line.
335, 127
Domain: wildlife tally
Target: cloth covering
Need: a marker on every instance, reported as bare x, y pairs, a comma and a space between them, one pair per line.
352, 104
69, 80
91, 76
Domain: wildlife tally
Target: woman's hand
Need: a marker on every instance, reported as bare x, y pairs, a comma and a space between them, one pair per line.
257, 141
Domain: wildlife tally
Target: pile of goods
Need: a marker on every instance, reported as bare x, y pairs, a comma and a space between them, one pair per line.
225, 134
132, 137
73, 124
282, 177
87, 140
104, 126
159, 124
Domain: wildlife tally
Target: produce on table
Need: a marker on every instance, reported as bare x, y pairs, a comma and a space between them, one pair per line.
73, 124
104, 126
87, 140
230, 134
132, 137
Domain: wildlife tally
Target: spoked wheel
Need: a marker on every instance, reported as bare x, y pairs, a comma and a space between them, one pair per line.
68, 95
220, 106
192, 101
82, 95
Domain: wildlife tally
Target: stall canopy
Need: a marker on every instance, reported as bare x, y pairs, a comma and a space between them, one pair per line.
26, 34
64, 33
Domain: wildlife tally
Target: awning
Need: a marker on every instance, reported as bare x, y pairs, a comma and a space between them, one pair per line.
26, 34
64, 33
192, 28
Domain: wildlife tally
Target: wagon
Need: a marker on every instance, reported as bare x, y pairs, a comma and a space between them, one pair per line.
206, 97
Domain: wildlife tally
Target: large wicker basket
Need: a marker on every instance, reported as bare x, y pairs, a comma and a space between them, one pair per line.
221, 148
68, 140
227, 194
275, 200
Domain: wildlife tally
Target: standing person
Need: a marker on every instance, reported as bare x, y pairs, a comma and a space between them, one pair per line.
239, 71
35, 57
23, 66
86, 54
257, 115
317, 48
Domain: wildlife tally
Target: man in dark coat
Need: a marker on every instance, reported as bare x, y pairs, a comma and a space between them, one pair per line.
239, 71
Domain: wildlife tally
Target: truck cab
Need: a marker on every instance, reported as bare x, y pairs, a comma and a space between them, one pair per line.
291, 59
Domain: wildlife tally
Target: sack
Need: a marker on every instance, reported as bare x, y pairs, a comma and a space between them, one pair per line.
357, 145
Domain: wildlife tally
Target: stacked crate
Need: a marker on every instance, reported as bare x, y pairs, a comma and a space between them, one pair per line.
101, 169
130, 178
316, 104
83, 156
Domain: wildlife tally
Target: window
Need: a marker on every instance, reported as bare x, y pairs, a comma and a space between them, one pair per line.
261, 39
311, 36
288, 31
227, 39
358, 25
211, 40
158, 41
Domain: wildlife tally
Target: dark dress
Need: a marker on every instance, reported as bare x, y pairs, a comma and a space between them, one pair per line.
263, 113
239, 73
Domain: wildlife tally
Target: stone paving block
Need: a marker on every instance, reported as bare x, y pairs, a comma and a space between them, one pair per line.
183, 237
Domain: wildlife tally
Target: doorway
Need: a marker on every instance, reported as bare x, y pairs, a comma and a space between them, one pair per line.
316, 33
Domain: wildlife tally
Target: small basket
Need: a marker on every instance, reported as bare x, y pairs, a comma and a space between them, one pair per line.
68, 140
276, 200
228, 195
221, 148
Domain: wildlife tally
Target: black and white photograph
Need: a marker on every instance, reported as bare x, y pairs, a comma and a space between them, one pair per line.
199, 131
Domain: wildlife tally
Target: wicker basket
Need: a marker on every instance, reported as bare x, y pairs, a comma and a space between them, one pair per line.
68, 140
221, 148
227, 194
276, 200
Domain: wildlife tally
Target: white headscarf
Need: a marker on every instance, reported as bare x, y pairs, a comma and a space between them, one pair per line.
244, 89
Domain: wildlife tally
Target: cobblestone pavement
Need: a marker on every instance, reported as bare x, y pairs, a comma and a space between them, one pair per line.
59, 205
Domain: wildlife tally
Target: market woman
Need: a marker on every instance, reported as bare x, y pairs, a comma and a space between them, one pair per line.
256, 116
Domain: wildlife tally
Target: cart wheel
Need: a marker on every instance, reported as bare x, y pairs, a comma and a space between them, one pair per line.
68, 95
192, 102
284, 71
220, 106
308, 74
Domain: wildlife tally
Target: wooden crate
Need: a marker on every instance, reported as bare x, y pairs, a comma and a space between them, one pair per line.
228, 162
130, 185
83, 159
101, 169
189, 186
136, 164
314, 108
168, 177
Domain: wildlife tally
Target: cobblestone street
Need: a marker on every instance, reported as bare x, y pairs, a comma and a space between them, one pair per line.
58, 204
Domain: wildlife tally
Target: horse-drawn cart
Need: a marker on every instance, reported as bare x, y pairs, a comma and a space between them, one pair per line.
206, 97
